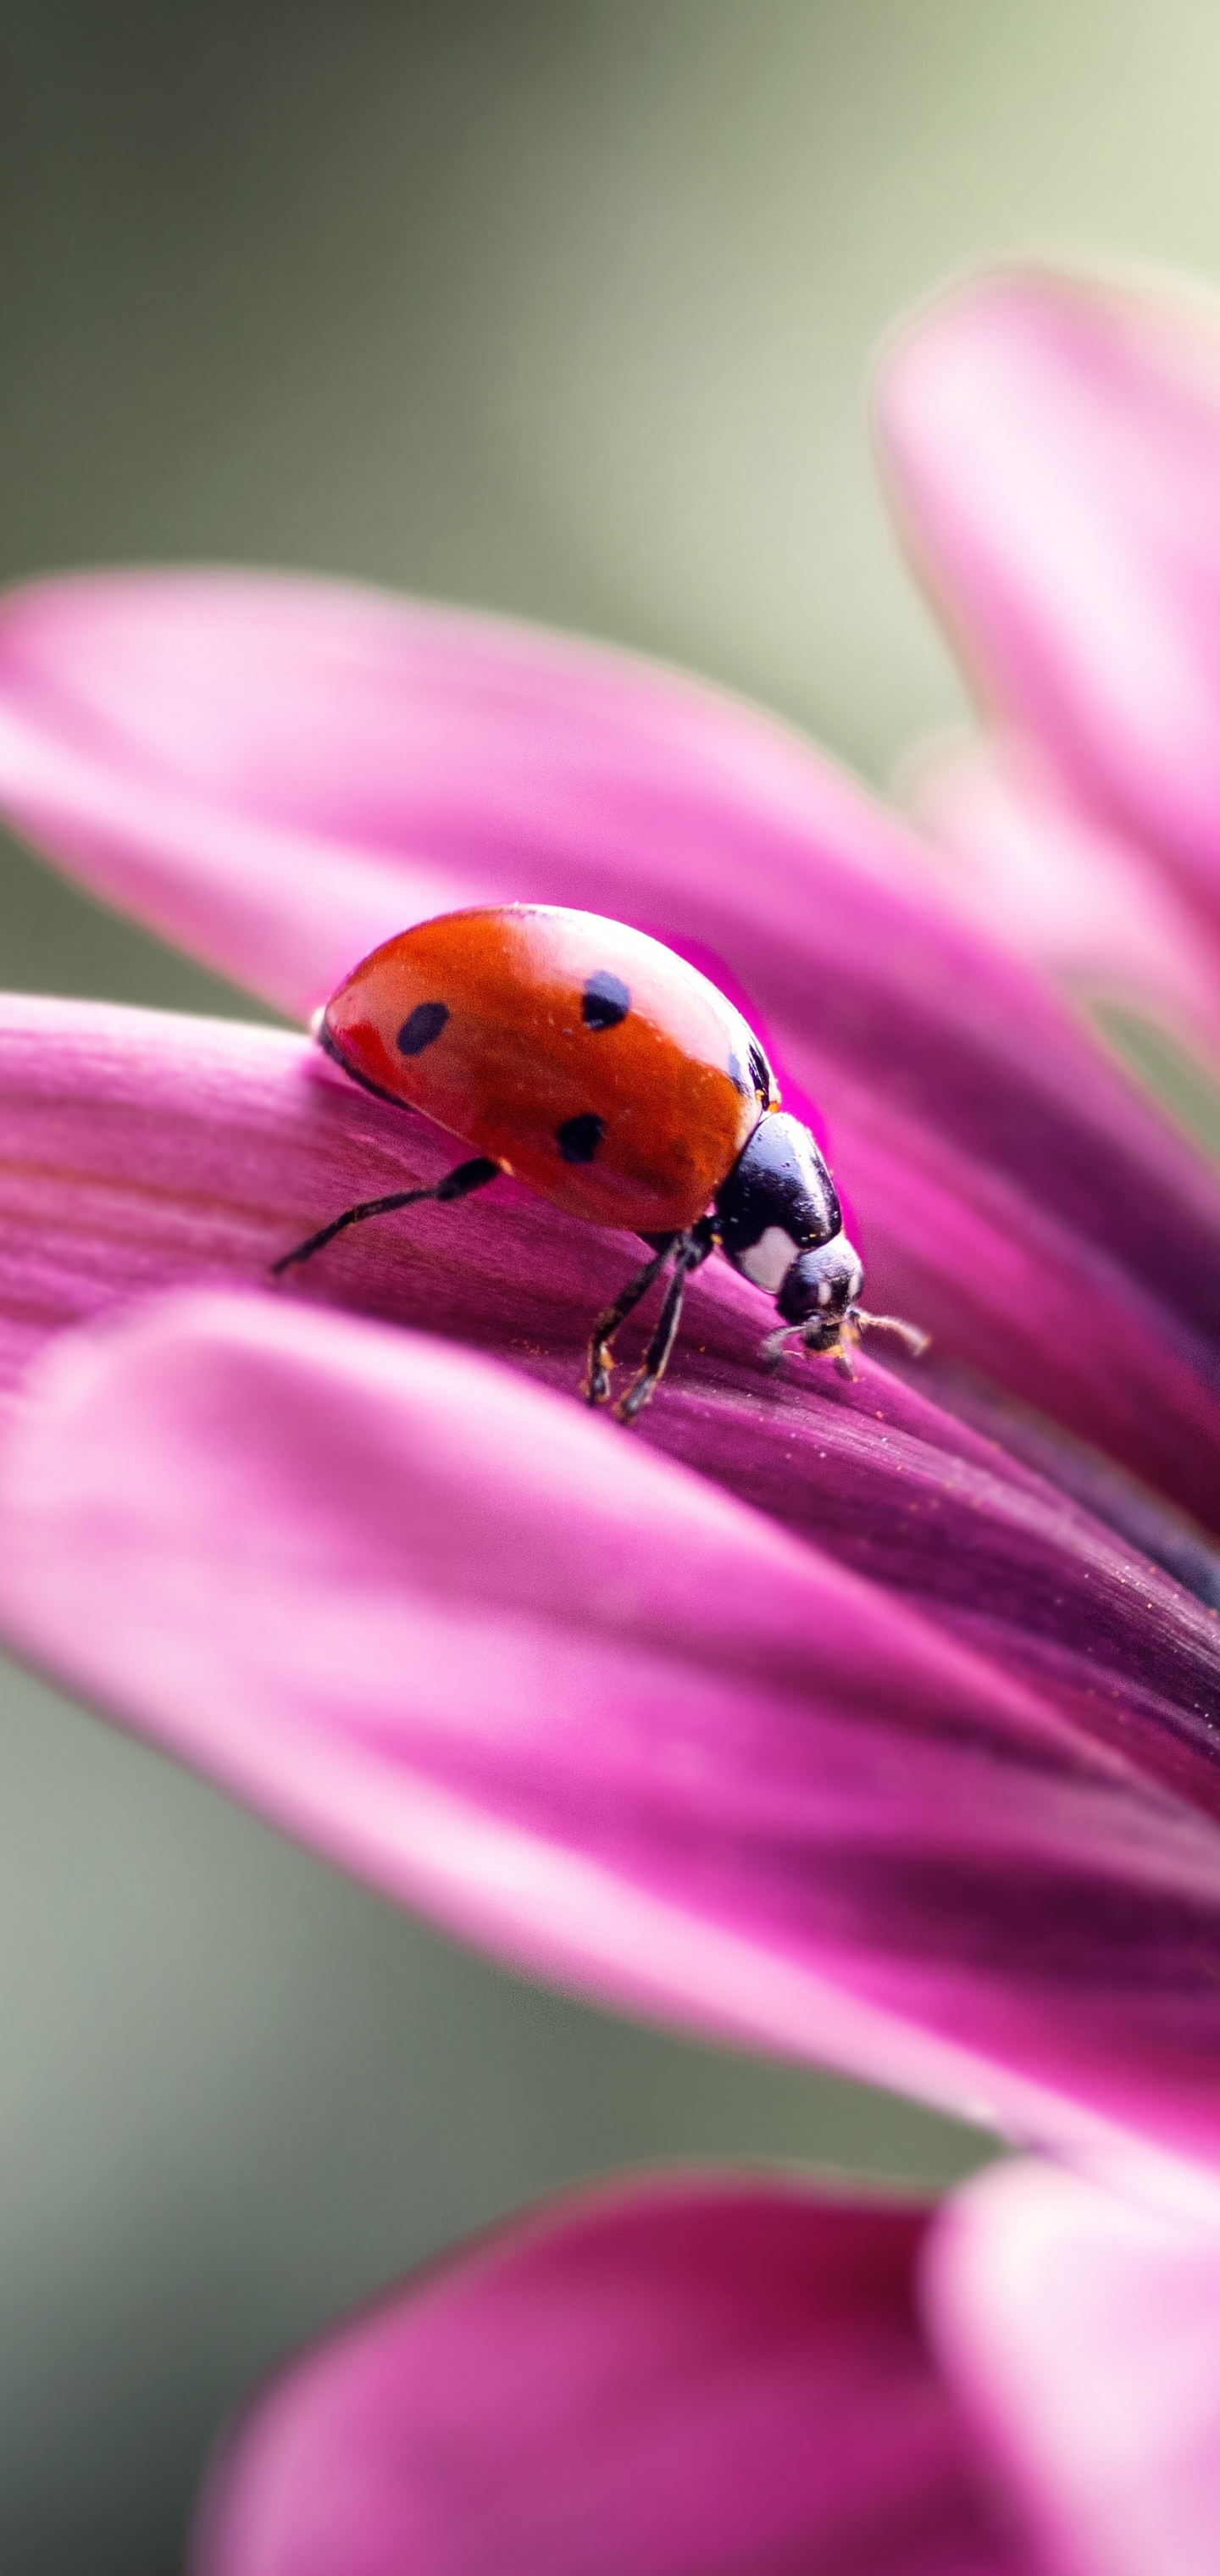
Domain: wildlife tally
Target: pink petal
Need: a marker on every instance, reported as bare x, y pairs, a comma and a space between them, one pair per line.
1063, 890
1054, 448
1084, 2335
140, 1151
670, 2376
508, 1665
278, 773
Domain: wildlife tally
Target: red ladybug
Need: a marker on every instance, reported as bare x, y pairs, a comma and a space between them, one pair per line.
610, 1076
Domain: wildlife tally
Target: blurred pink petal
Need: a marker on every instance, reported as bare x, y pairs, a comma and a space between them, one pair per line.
473, 1644
680, 2377
279, 773
140, 1151
1084, 2335
1054, 449
1062, 889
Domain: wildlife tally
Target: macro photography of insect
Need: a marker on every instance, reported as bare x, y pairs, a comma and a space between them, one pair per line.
497, 1023
609, 1288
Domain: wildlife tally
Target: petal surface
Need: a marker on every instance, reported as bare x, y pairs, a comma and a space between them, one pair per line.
1066, 891
569, 1698
279, 774
1083, 2333
140, 1151
696, 2378
1054, 449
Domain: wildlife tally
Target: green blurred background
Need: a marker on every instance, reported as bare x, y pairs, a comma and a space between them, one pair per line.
567, 309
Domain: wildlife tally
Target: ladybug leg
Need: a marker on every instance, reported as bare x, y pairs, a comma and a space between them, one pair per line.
456, 1185
597, 1381
692, 1250
915, 1339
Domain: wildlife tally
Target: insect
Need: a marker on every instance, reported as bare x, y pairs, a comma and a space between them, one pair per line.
617, 1082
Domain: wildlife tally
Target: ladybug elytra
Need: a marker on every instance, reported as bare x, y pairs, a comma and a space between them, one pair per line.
616, 1081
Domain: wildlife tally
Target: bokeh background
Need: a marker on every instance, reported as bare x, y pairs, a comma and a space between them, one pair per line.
565, 307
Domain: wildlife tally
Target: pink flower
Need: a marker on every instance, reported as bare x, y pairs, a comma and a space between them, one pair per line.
1051, 443
815, 1717
875, 1723
705, 2374
720, 2373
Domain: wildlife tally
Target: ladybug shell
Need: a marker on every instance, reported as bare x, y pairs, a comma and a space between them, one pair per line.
582, 1056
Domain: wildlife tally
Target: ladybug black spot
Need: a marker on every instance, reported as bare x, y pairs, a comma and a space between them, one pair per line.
761, 1071
578, 1138
604, 1002
425, 1023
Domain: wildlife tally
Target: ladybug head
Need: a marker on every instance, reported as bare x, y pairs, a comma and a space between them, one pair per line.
820, 1291
778, 1222
777, 1201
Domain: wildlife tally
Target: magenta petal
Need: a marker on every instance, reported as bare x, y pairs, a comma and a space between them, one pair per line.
674, 2378
1054, 447
1068, 893
141, 1151
499, 1659
278, 773
1083, 2333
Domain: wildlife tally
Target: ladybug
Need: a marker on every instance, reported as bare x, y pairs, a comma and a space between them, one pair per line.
618, 1083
